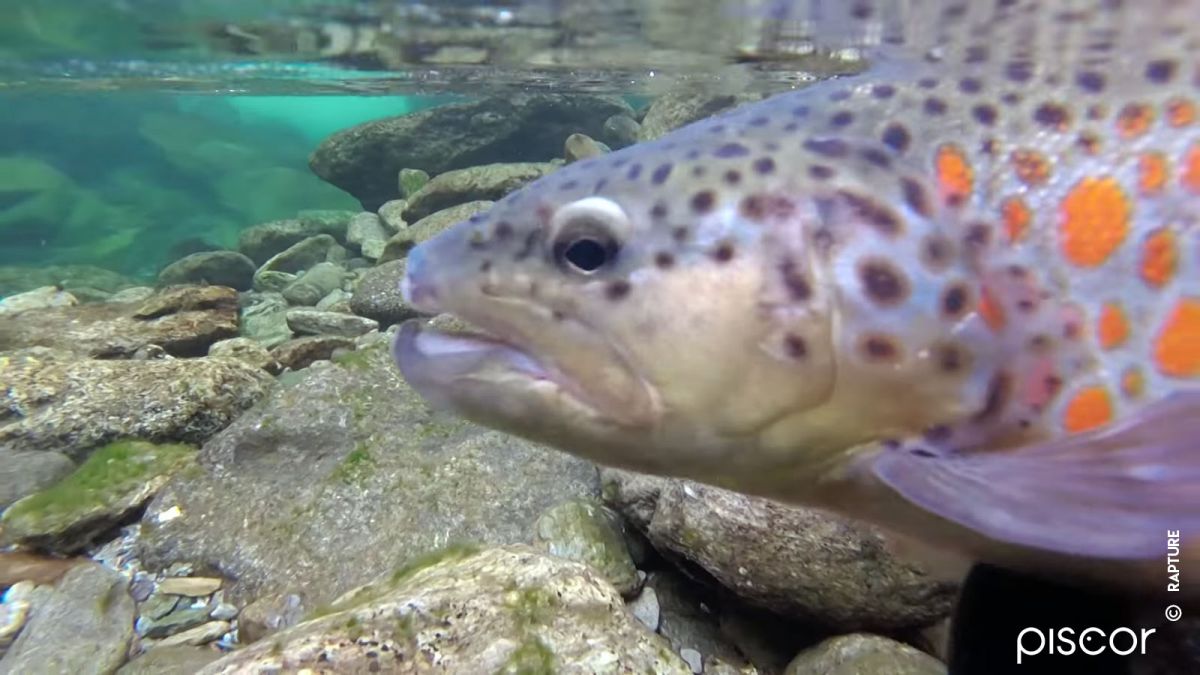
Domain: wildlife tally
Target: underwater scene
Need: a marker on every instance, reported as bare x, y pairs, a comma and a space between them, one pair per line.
776, 337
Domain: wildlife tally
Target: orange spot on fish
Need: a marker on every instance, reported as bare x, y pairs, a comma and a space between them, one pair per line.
1016, 215
1089, 408
955, 176
1191, 168
1113, 328
1031, 166
1160, 257
1134, 120
1152, 173
1133, 382
990, 311
1094, 221
1177, 346
1180, 112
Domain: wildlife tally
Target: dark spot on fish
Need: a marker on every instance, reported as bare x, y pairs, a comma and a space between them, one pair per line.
978, 236
1011, 98
883, 284
569, 185
861, 10
883, 91
753, 207
717, 129
1097, 112
795, 345
1072, 330
1051, 115
936, 252
1026, 305
927, 83
984, 114
988, 146
879, 348
830, 147
896, 137
877, 157
842, 118
934, 106
1017, 272
937, 434
970, 85
600, 185
793, 280
1019, 71
664, 260
703, 201
485, 266
724, 252
764, 165
635, 170
891, 443
531, 241
820, 171
557, 315
615, 290
1090, 81
731, 150
658, 211
954, 301
915, 195
977, 54
660, 174
503, 230
998, 391
680, 233
694, 153
823, 240
733, 176
760, 121
872, 213
1088, 141
801, 111
1053, 384
839, 95
1161, 71
950, 358
790, 127
699, 171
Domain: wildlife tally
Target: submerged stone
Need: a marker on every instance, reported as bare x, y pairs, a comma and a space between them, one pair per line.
489, 182
863, 653
378, 295
428, 227
589, 533
220, 268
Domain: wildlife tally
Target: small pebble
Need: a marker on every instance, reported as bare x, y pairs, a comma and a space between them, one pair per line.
224, 612
645, 608
693, 658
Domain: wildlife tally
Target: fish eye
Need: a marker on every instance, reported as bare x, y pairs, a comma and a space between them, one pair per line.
585, 253
587, 235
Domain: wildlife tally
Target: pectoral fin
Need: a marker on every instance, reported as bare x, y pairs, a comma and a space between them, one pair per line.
1110, 493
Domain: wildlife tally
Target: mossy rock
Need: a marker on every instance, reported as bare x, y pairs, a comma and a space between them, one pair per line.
588, 532
115, 480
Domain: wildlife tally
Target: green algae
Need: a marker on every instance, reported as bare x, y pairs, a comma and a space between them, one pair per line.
356, 467
355, 360
533, 657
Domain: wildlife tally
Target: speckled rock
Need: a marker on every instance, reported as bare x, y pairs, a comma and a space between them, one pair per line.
579, 146
168, 660
115, 480
23, 473
38, 298
348, 472
265, 320
317, 282
220, 268
316, 322
366, 159
263, 241
671, 111
303, 352
378, 295
860, 654
57, 402
488, 182
83, 626
798, 562
590, 533
391, 215
507, 610
182, 320
245, 350
429, 226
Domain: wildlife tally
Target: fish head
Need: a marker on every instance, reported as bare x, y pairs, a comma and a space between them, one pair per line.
625, 317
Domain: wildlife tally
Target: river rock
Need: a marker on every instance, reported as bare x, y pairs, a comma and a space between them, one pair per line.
346, 472
192, 587
269, 614
755, 547
620, 131
391, 214
23, 473
317, 282
507, 610
245, 350
20, 278
303, 352
411, 180
200, 635
84, 625
38, 298
590, 533
265, 320
378, 295
57, 402
337, 300
183, 617
860, 653
365, 228
113, 482
263, 241
364, 160
316, 322
489, 182
428, 227
220, 268
579, 146
182, 320
304, 254
671, 111
170, 660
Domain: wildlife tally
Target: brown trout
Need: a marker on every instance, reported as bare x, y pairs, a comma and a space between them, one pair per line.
956, 295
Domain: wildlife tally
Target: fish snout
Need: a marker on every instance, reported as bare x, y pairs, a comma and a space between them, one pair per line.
418, 287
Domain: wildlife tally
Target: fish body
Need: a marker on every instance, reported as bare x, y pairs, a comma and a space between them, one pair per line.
957, 295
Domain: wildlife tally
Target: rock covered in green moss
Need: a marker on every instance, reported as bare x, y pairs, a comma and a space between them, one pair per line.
590, 533
411, 180
84, 625
347, 471
859, 653
56, 401
115, 480
504, 610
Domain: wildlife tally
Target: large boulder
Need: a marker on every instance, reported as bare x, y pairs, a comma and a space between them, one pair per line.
366, 159
505, 610
54, 401
797, 562
219, 268
346, 473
